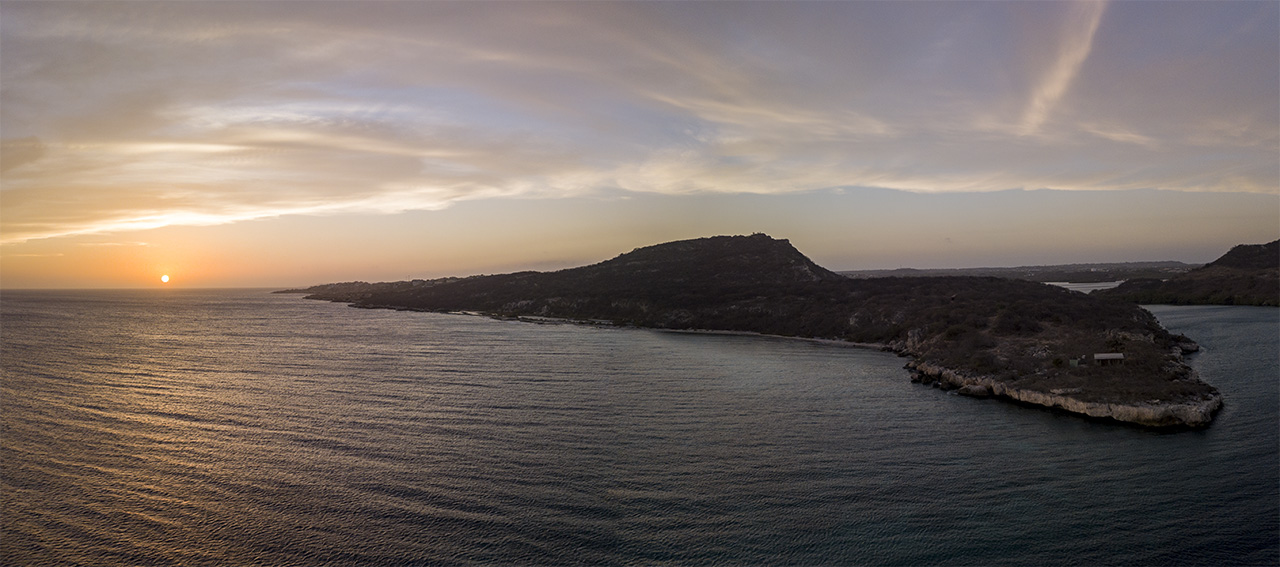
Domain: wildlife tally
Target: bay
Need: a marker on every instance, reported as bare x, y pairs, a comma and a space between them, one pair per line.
236, 427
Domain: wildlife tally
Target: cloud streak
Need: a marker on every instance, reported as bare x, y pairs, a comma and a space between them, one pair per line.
124, 117
1080, 26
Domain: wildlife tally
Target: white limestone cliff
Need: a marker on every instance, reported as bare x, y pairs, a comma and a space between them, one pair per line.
1155, 413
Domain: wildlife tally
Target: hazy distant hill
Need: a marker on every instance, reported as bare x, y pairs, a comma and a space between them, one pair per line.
988, 336
1248, 274
1075, 273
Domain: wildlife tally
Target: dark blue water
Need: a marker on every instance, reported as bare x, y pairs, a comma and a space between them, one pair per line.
238, 428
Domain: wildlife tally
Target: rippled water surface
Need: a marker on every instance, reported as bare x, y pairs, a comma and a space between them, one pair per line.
239, 427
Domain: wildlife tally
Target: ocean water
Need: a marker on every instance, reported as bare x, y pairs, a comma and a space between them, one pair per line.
236, 427
1088, 286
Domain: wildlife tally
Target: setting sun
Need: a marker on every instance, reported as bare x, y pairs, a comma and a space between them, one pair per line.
164, 278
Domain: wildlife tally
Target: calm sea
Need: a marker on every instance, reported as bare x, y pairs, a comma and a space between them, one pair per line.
243, 428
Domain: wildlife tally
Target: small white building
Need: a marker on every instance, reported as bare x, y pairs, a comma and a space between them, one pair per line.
1109, 358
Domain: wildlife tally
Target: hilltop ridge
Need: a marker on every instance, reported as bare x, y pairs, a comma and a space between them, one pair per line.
755, 259
984, 336
1250, 257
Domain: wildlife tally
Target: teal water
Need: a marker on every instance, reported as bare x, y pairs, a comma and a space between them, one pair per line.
243, 428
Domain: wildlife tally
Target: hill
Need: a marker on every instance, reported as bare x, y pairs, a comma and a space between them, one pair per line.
1250, 257
985, 336
1248, 274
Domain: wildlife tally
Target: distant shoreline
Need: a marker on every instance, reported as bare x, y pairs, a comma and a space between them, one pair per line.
608, 324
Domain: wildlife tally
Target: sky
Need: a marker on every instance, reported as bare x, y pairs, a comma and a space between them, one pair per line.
234, 144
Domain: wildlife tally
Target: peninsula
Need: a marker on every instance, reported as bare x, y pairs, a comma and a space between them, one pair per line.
983, 336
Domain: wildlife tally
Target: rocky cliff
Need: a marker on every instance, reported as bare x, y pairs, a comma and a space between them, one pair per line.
1193, 412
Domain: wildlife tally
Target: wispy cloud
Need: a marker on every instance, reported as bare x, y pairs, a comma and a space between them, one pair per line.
14, 153
1080, 27
124, 118
1117, 134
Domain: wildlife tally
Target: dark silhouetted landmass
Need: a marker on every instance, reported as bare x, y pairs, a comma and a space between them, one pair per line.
352, 292
983, 336
1248, 274
1072, 273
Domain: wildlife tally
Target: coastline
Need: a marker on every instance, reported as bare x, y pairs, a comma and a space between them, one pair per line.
1152, 413
1149, 413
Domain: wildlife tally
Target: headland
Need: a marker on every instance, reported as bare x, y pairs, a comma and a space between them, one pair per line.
981, 336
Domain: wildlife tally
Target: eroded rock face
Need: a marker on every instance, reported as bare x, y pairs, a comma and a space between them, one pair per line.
1152, 413
1155, 414
976, 391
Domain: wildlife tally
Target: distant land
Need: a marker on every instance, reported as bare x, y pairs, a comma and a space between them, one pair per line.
982, 336
1248, 274
1072, 273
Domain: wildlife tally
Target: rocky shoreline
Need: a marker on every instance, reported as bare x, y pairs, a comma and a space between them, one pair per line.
1150, 413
